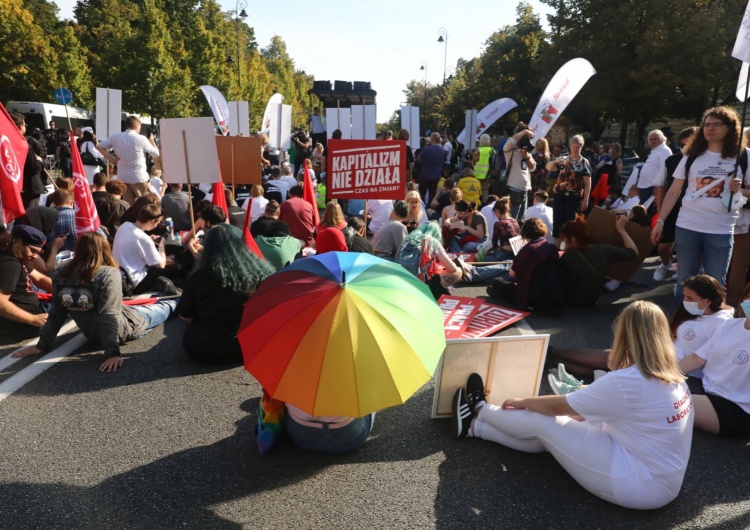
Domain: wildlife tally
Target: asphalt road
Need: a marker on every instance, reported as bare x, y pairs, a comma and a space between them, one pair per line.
167, 443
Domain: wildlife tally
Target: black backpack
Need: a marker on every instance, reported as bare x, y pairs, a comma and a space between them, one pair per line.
64, 147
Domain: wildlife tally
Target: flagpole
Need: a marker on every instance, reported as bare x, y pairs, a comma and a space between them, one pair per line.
742, 134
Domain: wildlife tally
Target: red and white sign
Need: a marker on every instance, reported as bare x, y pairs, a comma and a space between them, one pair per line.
468, 257
366, 169
472, 318
87, 219
13, 151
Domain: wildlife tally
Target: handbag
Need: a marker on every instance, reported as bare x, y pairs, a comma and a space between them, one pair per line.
88, 158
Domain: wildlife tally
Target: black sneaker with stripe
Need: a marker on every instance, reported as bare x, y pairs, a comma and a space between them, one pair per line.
462, 414
475, 391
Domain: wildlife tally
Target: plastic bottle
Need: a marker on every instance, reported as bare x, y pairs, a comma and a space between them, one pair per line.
480, 253
170, 228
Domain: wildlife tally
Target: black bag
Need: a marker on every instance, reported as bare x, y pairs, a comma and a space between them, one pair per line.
517, 197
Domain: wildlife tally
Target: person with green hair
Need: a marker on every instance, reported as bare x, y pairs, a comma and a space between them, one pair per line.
421, 253
215, 293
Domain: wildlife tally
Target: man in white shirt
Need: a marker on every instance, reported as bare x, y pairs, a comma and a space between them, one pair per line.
448, 148
130, 157
136, 252
541, 211
318, 128
652, 172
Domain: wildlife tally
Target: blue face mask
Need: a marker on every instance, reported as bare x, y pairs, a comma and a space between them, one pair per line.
746, 308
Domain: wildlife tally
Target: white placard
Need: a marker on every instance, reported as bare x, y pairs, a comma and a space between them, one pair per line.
471, 125
200, 158
108, 112
339, 119
509, 366
410, 122
363, 122
239, 113
286, 127
741, 48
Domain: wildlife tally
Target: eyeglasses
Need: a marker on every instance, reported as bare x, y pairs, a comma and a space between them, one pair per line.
714, 125
35, 251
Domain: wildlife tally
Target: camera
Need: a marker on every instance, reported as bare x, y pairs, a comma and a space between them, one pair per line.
525, 143
560, 167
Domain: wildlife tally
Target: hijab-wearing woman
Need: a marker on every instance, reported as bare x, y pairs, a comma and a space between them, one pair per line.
89, 290
214, 295
633, 447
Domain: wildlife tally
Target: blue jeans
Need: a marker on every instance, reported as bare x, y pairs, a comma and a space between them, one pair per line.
471, 246
693, 248
156, 313
486, 273
327, 440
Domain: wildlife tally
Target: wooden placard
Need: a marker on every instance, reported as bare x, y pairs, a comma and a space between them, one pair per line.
601, 224
246, 163
509, 366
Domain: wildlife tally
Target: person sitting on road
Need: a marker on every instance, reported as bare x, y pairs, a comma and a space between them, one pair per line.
417, 216
226, 274
21, 314
471, 226
389, 237
428, 239
633, 448
333, 217
89, 290
66, 220
505, 228
278, 246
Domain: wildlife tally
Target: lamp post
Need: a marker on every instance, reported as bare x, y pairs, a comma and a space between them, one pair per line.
241, 14
424, 70
444, 39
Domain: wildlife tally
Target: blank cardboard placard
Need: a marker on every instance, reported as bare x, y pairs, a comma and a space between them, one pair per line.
340, 119
601, 224
363, 122
108, 112
239, 117
509, 366
239, 159
410, 122
196, 157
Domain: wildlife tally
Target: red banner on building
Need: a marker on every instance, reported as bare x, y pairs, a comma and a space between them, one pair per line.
471, 318
366, 169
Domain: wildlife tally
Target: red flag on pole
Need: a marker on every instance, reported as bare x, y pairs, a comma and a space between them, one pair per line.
87, 220
13, 151
249, 239
219, 199
310, 193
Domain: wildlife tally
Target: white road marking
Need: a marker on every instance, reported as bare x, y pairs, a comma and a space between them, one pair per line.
8, 360
12, 384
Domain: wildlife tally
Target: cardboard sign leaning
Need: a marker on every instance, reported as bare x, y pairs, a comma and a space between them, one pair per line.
366, 169
239, 159
509, 366
472, 318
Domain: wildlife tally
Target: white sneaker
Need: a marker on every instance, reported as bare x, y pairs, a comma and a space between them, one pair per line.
660, 273
673, 267
612, 285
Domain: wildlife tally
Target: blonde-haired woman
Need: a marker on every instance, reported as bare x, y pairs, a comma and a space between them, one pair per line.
333, 217
259, 202
417, 215
540, 154
633, 447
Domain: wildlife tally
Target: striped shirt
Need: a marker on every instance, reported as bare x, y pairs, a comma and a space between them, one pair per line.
130, 147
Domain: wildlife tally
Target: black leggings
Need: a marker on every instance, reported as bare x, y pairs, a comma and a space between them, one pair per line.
564, 209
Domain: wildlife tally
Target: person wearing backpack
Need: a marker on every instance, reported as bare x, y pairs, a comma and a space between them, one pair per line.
420, 254
482, 159
705, 225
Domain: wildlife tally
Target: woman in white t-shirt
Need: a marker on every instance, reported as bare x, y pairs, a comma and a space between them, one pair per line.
633, 445
258, 201
705, 224
722, 397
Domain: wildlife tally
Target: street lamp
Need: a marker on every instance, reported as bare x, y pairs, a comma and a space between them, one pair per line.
444, 39
424, 69
241, 14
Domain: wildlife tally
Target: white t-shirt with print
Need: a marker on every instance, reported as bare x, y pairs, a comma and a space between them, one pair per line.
727, 369
135, 251
692, 334
707, 214
651, 425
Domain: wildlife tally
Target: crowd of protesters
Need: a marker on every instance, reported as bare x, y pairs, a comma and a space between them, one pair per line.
517, 203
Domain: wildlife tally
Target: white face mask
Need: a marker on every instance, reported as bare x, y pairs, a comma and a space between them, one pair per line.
692, 308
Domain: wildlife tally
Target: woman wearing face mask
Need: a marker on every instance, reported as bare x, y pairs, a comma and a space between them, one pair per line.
701, 313
722, 398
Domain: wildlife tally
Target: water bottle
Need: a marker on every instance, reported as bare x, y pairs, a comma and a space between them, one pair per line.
178, 238
480, 253
170, 228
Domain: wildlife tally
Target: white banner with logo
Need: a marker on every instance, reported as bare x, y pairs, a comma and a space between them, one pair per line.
742, 82
489, 115
741, 49
567, 82
270, 113
219, 107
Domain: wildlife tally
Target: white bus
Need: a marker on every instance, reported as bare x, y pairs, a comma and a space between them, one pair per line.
40, 114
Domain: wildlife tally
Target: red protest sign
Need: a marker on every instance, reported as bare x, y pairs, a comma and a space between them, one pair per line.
366, 169
483, 322
457, 313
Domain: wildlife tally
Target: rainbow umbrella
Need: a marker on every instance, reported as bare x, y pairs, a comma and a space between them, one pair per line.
342, 334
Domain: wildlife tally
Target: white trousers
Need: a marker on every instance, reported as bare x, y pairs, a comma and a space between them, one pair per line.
585, 451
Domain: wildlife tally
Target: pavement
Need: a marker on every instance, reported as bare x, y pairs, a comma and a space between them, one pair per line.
167, 443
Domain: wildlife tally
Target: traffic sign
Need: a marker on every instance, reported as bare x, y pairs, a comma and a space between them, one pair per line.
63, 96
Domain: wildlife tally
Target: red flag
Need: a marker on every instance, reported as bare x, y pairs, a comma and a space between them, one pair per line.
13, 151
219, 199
310, 193
87, 220
249, 239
